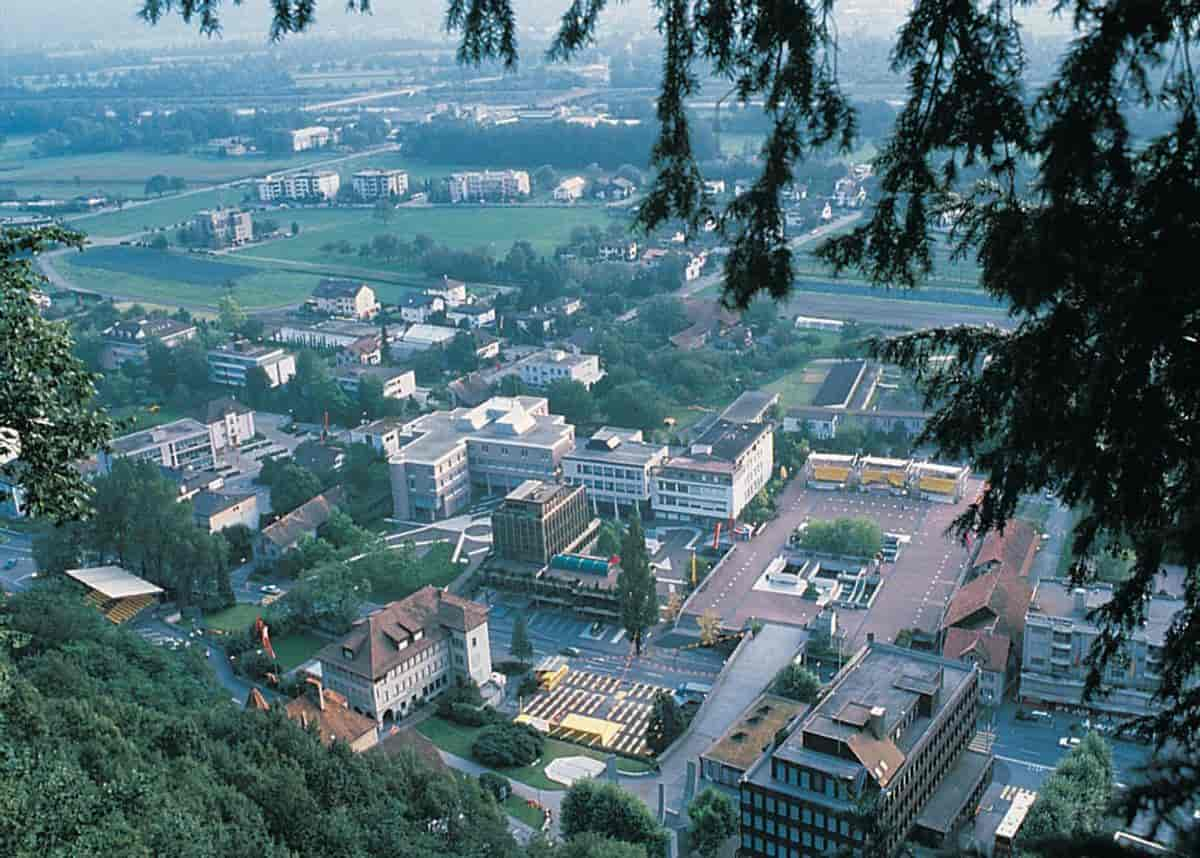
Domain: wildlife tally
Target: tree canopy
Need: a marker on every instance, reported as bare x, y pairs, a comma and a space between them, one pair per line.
635, 584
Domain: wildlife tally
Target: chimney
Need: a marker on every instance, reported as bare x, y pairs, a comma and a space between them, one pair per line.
870, 638
1080, 600
876, 721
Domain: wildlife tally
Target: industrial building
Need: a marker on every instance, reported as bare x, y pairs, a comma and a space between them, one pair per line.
538, 520
894, 729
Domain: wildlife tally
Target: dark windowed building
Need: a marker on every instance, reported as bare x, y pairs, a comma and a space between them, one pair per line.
884, 755
538, 520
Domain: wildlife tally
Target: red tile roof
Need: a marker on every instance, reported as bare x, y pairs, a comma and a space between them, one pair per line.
335, 720
990, 648
1013, 550
992, 599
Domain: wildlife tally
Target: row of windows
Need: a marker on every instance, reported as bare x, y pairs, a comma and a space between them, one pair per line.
809, 780
808, 816
606, 471
773, 850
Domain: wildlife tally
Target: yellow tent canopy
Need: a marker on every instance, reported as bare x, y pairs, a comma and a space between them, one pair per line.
605, 731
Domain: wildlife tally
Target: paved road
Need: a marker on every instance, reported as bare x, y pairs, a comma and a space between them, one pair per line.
1058, 526
15, 548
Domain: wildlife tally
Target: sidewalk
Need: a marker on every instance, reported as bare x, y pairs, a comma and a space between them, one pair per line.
550, 799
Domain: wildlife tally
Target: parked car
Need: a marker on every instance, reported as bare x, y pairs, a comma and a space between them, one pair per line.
1068, 742
572, 651
270, 589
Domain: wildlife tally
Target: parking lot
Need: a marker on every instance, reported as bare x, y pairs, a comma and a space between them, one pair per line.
594, 695
913, 590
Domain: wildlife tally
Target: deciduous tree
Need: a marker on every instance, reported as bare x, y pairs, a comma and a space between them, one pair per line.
520, 646
713, 821
665, 723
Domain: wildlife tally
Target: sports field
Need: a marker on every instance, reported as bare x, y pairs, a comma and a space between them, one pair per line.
461, 227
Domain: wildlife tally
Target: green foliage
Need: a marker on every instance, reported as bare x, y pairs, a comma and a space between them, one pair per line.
713, 821
507, 745
461, 692
856, 537
589, 845
528, 687
608, 542
113, 746
293, 486
46, 408
232, 316
1072, 802
635, 584
397, 571
796, 682
497, 786
341, 532
637, 405
520, 645
605, 809
572, 400
666, 722
327, 596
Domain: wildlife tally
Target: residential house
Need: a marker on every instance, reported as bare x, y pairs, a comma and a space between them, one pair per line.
565, 305
487, 347
409, 652
397, 383
348, 298
385, 435
283, 535
129, 340
714, 187
617, 251
215, 512
417, 308
322, 459
472, 316
570, 190
695, 266
329, 713
532, 322
452, 292
365, 351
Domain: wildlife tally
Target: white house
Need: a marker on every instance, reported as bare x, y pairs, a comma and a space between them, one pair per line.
569, 190
349, 298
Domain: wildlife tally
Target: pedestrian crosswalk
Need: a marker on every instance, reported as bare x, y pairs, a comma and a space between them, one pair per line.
594, 695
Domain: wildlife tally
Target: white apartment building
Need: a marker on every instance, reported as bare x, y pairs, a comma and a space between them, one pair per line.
569, 190
409, 652
475, 315
397, 383
617, 468
723, 469
418, 308
312, 137
1059, 637
373, 184
229, 364
488, 184
347, 298
452, 292
223, 227
386, 435
184, 445
543, 368
301, 185
494, 446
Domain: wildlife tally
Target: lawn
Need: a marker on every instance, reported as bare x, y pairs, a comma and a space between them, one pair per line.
159, 264
798, 386
134, 418
457, 740
293, 650
518, 807
494, 228
236, 619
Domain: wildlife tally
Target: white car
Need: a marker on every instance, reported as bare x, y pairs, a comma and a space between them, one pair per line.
269, 589
1068, 742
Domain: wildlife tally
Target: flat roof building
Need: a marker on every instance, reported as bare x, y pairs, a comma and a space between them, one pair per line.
372, 184
617, 467
893, 730
184, 444
541, 369
721, 472
229, 364
752, 734
494, 446
396, 383
750, 407
538, 520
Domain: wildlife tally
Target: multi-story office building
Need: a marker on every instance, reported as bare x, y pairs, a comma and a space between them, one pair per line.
488, 184
721, 472
350, 298
494, 447
129, 340
182, 444
222, 227
373, 184
397, 383
312, 137
229, 364
538, 520
617, 468
543, 368
408, 652
892, 733
1058, 640
301, 185
229, 422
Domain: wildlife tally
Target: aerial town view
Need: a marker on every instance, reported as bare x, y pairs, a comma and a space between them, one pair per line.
543, 430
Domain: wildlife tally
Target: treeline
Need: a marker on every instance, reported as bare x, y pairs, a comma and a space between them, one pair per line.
559, 144
215, 78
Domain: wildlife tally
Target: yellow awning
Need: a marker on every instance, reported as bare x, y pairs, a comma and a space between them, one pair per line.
605, 731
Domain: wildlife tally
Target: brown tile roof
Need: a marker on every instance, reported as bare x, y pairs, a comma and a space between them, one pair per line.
408, 739
400, 630
255, 700
335, 720
1013, 550
304, 519
989, 646
991, 599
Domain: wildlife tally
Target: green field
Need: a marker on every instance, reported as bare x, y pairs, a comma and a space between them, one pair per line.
797, 387
168, 212
465, 227
175, 279
519, 808
457, 740
236, 619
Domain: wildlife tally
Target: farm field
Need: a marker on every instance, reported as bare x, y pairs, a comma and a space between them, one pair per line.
155, 276
466, 227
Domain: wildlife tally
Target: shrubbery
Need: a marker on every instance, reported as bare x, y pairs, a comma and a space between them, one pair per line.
505, 745
468, 715
857, 537
495, 785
